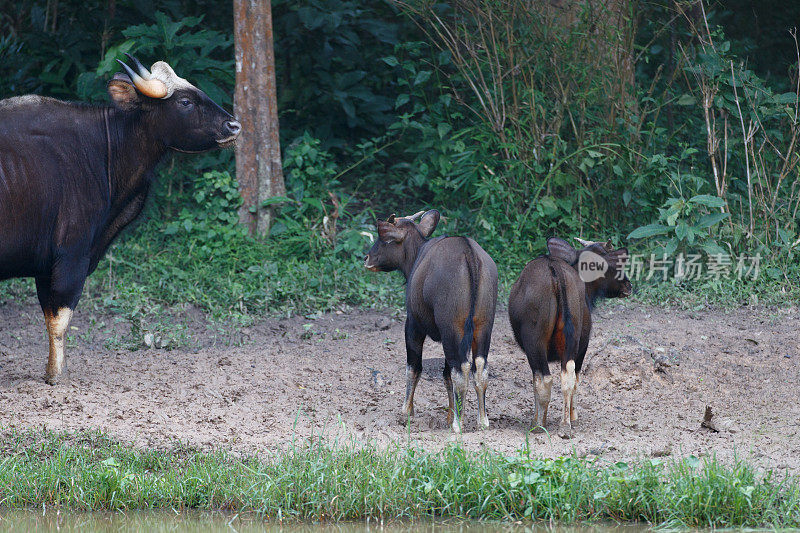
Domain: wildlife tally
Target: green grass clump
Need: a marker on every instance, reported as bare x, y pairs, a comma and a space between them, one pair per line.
234, 279
321, 481
150, 276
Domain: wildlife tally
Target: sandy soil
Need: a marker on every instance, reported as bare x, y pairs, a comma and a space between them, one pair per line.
649, 375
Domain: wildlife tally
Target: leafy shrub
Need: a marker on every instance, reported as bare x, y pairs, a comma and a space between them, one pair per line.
213, 216
313, 219
687, 224
200, 55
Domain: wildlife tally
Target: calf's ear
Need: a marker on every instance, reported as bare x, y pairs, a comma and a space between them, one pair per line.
618, 258
123, 93
388, 232
561, 249
428, 222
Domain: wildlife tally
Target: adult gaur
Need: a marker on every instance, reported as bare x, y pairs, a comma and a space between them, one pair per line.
72, 176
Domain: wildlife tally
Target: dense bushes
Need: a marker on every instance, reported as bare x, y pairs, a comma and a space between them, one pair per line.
517, 123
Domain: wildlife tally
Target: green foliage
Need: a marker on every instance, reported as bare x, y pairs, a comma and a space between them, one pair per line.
327, 54
687, 223
307, 225
195, 53
523, 129
213, 217
353, 481
52, 48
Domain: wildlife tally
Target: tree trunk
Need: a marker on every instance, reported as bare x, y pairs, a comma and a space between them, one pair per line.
258, 155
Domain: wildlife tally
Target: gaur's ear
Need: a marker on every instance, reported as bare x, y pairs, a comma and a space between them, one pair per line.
391, 219
608, 246
618, 258
123, 93
598, 248
388, 232
428, 222
561, 249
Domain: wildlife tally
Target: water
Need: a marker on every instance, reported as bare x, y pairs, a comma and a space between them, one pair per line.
179, 522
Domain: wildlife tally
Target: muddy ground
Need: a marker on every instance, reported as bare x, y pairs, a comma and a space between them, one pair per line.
650, 374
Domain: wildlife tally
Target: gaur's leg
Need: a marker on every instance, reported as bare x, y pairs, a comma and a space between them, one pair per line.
459, 367
480, 369
535, 349
448, 386
583, 345
573, 411
569, 382
58, 296
414, 341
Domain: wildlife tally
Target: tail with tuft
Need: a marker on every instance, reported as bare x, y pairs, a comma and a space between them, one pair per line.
469, 324
570, 342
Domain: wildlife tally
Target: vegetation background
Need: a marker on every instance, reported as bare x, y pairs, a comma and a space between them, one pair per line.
668, 126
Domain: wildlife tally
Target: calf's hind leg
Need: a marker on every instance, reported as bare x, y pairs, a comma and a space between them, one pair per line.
456, 379
448, 387
569, 384
414, 342
536, 352
582, 347
480, 369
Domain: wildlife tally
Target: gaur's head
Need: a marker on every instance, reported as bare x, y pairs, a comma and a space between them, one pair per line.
398, 239
180, 115
599, 265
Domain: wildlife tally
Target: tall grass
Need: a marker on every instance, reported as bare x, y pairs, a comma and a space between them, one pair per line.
321, 481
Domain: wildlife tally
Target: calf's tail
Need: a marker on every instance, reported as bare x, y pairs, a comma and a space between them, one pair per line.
469, 325
563, 311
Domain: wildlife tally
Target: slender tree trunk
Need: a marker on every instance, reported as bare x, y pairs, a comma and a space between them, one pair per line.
258, 155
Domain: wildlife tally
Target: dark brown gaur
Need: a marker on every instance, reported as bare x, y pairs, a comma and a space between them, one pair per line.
451, 294
550, 311
72, 176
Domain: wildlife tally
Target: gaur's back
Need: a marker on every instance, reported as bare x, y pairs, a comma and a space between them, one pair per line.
442, 272
535, 296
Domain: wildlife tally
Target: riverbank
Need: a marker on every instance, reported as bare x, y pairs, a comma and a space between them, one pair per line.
317, 479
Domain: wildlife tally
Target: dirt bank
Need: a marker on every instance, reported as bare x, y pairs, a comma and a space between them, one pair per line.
650, 374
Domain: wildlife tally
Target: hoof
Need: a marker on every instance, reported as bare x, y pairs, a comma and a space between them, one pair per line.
456, 426
55, 379
483, 423
565, 431
405, 418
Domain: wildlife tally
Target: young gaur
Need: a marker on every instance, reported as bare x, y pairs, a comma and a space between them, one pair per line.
451, 294
550, 310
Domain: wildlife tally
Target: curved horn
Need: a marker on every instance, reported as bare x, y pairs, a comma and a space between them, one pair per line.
391, 219
135, 78
152, 88
143, 72
415, 216
584, 243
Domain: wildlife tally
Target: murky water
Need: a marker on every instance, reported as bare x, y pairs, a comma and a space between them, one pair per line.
169, 521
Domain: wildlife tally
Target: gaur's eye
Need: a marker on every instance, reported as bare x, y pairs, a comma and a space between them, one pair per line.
185, 102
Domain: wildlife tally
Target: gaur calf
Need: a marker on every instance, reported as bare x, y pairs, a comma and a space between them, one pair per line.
451, 294
550, 310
